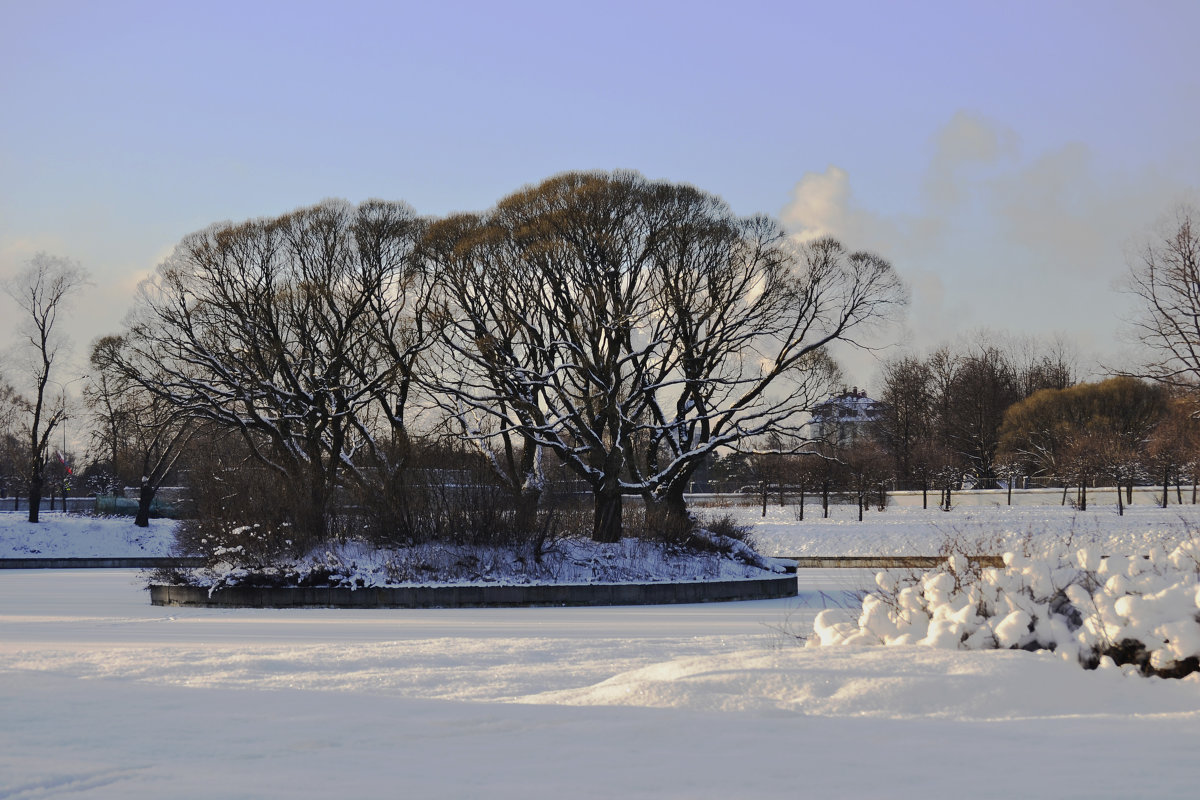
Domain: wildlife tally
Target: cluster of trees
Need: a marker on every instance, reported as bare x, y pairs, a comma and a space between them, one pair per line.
335, 362
937, 424
994, 413
943, 414
615, 328
1122, 430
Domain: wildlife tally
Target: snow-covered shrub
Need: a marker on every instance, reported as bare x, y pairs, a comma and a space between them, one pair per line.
256, 545
1141, 613
574, 560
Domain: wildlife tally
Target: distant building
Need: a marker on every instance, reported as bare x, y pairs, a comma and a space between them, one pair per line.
845, 418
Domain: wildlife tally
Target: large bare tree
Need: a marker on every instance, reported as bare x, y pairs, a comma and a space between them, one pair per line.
634, 327
549, 290
301, 333
42, 291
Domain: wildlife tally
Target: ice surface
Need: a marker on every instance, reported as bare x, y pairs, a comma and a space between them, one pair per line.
103, 695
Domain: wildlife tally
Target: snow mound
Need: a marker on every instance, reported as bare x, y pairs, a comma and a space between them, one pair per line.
1139, 613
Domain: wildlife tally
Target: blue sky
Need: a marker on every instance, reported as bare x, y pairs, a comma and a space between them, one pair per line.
1002, 155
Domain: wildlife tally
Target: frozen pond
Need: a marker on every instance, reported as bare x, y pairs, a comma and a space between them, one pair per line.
103, 695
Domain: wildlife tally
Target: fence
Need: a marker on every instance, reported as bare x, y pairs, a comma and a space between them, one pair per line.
1098, 495
75, 505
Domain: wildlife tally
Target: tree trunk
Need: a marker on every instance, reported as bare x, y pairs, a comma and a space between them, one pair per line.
606, 521
925, 494
802, 504
310, 519
1166, 484
860, 504
1128, 492
1120, 505
1083, 495
764, 498
145, 498
1064, 497
35, 496
669, 512
1010, 483
525, 517
825, 499
530, 495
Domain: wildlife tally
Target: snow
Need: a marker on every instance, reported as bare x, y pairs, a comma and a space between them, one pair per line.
909, 531
61, 535
565, 561
103, 695
1140, 613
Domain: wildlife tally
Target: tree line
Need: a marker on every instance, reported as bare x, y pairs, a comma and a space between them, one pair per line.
986, 418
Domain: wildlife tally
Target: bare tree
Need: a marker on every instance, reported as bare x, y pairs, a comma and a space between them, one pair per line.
866, 469
42, 291
633, 328
982, 385
1173, 443
906, 414
747, 321
302, 334
1166, 278
142, 433
548, 289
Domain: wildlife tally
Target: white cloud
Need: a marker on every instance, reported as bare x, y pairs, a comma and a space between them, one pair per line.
1031, 245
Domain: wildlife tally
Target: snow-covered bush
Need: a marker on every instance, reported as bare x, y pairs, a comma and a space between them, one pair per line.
251, 545
358, 564
1140, 613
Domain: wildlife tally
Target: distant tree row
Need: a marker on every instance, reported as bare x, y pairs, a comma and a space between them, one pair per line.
948, 408
1121, 431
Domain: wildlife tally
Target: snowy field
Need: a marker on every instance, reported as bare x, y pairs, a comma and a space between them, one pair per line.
105, 696
102, 695
61, 535
902, 530
909, 531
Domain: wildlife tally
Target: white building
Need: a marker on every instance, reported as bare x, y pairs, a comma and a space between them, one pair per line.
845, 418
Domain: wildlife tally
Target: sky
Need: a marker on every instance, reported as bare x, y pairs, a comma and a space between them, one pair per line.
1005, 157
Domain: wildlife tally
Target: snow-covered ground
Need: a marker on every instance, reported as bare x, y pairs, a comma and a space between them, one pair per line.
897, 531
103, 695
60, 535
908, 531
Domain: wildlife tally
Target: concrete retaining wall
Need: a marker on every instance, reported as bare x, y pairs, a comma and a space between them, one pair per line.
620, 594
